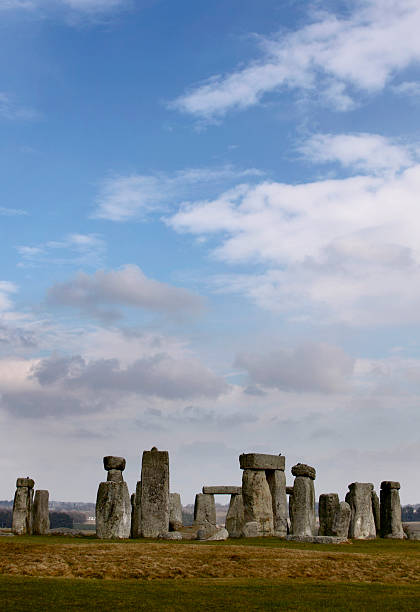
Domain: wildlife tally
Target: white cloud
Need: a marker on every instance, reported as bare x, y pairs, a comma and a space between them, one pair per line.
135, 196
13, 111
6, 288
129, 286
12, 212
81, 6
335, 55
73, 249
408, 88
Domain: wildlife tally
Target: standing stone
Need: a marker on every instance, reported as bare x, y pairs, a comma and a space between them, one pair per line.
175, 512
154, 493
376, 511
113, 511
40, 513
204, 509
341, 522
302, 502
362, 522
115, 467
22, 507
391, 526
277, 483
328, 508
136, 512
235, 516
258, 506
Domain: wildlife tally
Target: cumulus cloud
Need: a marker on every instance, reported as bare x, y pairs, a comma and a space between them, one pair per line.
99, 293
311, 367
336, 55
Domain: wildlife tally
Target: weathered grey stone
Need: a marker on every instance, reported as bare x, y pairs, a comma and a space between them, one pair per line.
328, 507
258, 506
235, 516
154, 493
289, 490
136, 512
376, 511
223, 490
317, 539
221, 534
115, 476
171, 535
251, 530
302, 469
22, 507
259, 461
114, 463
391, 525
204, 509
113, 511
40, 513
362, 522
175, 512
412, 530
206, 530
302, 507
277, 483
341, 523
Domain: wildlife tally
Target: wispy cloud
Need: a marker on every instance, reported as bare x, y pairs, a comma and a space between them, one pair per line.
336, 56
11, 110
82, 6
12, 212
73, 249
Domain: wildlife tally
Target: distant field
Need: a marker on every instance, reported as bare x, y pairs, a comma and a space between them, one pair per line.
84, 573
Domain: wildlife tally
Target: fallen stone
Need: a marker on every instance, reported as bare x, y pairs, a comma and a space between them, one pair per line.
40, 513
341, 523
171, 535
277, 484
391, 525
204, 509
302, 469
113, 511
235, 516
206, 531
362, 522
223, 490
114, 463
412, 530
302, 507
67, 531
257, 501
175, 512
328, 507
154, 493
317, 539
221, 534
259, 461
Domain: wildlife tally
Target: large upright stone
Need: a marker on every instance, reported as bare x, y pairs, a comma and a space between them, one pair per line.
391, 525
22, 507
258, 505
175, 512
277, 484
341, 523
362, 522
327, 509
154, 493
302, 507
136, 512
113, 511
235, 516
40, 513
376, 511
204, 509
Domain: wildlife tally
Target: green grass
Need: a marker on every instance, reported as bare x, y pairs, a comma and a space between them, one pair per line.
41, 594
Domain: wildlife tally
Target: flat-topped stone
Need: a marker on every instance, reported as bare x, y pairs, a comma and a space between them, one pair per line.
390, 484
114, 463
222, 490
25, 482
259, 461
302, 469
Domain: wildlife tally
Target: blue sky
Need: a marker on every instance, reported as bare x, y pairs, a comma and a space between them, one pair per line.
210, 222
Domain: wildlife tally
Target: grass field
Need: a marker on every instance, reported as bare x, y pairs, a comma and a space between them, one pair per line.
60, 573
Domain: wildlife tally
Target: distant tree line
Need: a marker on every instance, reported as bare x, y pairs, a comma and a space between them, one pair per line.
410, 514
57, 519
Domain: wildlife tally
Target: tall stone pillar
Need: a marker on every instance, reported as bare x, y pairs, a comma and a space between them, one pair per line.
154, 493
327, 509
40, 513
391, 525
204, 509
235, 516
113, 505
175, 512
22, 507
362, 521
341, 523
302, 502
136, 512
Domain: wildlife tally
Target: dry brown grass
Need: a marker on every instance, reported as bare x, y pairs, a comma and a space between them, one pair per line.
148, 561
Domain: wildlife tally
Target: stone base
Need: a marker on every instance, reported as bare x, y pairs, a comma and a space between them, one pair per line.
317, 539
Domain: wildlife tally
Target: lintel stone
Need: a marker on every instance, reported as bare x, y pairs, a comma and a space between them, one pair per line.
259, 461
390, 484
222, 490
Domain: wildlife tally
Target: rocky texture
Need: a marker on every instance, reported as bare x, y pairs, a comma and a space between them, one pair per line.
206, 530
412, 530
276, 480
113, 511
136, 512
115, 476
258, 506
235, 516
362, 522
391, 525
171, 535
302, 502
22, 507
175, 512
154, 493
221, 534
328, 507
204, 509
223, 490
251, 530
301, 469
258, 461
317, 539
341, 523
114, 463
40, 513
376, 511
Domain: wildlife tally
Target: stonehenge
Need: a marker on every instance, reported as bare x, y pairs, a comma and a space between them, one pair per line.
341, 522
154, 505
204, 509
362, 521
40, 514
113, 504
235, 514
302, 501
328, 508
175, 512
22, 507
390, 507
